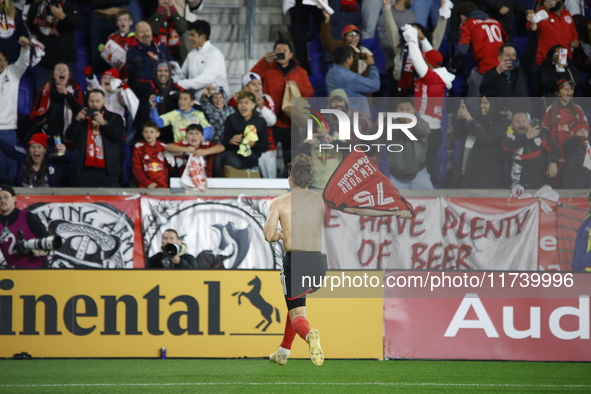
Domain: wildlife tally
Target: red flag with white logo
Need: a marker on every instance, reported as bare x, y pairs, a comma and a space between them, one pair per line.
358, 183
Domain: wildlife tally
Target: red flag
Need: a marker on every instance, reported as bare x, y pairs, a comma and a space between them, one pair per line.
358, 183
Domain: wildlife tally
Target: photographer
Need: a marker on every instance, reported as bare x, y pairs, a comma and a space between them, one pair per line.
98, 137
17, 225
173, 255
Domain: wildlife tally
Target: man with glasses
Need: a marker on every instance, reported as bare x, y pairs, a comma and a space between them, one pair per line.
351, 36
10, 76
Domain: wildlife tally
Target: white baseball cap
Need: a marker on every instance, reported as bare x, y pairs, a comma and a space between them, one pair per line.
248, 77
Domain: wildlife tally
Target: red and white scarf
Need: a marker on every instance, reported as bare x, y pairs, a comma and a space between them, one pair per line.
45, 20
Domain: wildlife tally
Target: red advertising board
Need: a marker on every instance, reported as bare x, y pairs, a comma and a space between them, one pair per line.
478, 328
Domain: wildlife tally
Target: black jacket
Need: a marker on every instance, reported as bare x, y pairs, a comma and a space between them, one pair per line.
406, 164
549, 78
485, 164
574, 175
58, 48
159, 260
508, 84
104, 4
530, 158
235, 124
113, 141
492, 8
168, 97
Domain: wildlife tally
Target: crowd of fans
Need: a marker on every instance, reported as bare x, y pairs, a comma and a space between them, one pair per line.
506, 74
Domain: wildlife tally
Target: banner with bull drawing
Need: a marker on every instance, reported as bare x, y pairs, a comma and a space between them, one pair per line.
223, 233
450, 233
97, 231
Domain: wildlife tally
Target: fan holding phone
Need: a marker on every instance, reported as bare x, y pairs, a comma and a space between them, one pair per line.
556, 66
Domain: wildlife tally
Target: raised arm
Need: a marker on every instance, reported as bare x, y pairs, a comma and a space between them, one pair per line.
391, 27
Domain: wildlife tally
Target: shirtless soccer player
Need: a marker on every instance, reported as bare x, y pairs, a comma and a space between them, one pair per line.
302, 240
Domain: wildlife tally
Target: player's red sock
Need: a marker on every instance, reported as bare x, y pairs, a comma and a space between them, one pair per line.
301, 326
289, 334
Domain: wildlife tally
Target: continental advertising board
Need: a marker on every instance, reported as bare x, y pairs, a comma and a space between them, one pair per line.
133, 313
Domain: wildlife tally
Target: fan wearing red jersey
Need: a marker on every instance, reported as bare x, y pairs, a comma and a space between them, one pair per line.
555, 26
430, 90
194, 143
148, 165
301, 214
483, 36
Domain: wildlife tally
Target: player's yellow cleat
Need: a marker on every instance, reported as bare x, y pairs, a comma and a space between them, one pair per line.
316, 353
278, 358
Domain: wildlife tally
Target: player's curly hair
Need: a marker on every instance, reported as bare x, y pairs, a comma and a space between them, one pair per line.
301, 169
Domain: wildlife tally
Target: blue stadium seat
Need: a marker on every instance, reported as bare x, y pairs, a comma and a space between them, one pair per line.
444, 49
520, 45
82, 60
318, 81
126, 169
317, 56
26, 94
459, 86
442, 154
373, 44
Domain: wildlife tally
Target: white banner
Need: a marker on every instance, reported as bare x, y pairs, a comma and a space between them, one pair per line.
441, 235
225, 230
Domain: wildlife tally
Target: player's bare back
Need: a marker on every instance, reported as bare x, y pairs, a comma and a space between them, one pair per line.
301, 214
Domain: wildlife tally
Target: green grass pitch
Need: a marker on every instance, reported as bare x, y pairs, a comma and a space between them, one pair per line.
299, 376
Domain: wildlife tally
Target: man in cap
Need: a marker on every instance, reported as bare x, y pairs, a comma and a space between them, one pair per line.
17, 225
429, 92
351, 36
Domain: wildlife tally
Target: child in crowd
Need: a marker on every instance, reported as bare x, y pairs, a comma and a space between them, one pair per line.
182, 117
149, 165
124, 23
245, 125
213, 102
195, 143
265, 107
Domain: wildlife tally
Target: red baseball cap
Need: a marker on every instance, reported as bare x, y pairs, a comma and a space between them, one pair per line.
112, 72
434, 58
39, 138
563, 82
350, 28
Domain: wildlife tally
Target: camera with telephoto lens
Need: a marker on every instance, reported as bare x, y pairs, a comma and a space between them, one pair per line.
50, 243
171, 250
